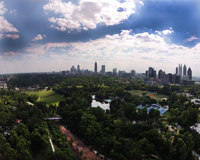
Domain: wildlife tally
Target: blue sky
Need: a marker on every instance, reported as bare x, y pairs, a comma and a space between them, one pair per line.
53, 35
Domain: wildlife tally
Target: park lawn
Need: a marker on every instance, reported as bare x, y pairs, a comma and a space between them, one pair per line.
78, 86
48, 96
155, 96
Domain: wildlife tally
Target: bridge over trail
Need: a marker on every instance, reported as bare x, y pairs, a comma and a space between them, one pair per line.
53, 118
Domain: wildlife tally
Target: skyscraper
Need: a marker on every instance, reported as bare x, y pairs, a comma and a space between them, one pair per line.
114, 71
147, 74
159, 73
180, 69
189, 73
170, 77
95, 67
184, 70
152, 72
176, 70
78, 68
103, 69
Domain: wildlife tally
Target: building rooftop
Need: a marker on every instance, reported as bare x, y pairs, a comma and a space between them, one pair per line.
196, 127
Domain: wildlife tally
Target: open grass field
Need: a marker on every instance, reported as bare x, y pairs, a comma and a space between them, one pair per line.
150, 94
48, 96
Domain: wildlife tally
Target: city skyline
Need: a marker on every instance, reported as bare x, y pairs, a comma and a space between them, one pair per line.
151, 72
53, 35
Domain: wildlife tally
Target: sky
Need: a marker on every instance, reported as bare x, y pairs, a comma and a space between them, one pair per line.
53, 35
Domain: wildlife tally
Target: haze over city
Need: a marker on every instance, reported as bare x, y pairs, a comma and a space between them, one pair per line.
53, 35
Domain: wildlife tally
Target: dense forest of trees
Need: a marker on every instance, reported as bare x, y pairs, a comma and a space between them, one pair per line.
29, 139
113, 132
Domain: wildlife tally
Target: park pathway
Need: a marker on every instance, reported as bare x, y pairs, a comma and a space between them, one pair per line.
81, 145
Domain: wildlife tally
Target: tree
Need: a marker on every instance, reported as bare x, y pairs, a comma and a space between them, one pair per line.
10, 154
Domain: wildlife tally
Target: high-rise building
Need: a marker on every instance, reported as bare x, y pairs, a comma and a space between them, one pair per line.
147, 74
133, 73
114, 71
152, 72
78, 68
180, 69
159, 73
72, 69
121, 73
164, 78
95, 67
176, 78
170, 77
103, 69
189, 73
176, 70
184, 70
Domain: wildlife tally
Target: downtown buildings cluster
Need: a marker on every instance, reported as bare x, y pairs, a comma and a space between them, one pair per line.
114, 72
181, 75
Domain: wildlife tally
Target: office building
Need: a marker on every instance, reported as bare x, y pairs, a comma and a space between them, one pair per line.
147, 74
121, 73
184, 70
185, 77
103, 69
159, 73
187, 82
133, 73
176, 78
114, 71
176, 70
109, 73
151, 73
170, 77
78, 68
164, 78
180, 69
189, 73
72, 69
95, 67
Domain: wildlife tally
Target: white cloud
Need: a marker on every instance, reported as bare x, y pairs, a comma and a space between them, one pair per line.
192, 38
165, 32
14, 11
88, 13
43, 49
125, 50
142, 3
5, 26
11, 54
13, 36
2, 8
38, 37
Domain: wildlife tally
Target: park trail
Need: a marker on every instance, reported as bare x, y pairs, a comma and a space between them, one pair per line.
81, 145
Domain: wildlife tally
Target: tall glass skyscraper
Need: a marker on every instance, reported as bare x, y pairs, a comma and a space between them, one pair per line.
95, 67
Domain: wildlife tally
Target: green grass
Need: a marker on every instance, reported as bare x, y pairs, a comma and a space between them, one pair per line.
48, 96
157, 96
78, 86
